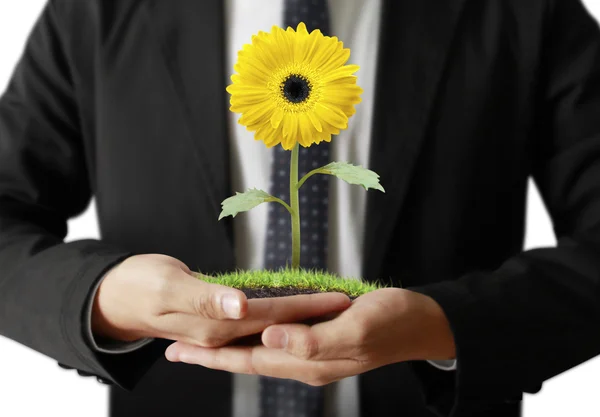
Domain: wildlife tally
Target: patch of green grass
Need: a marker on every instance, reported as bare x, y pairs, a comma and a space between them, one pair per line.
298, 278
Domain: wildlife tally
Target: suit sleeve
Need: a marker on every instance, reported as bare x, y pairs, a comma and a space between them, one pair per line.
44, 282
538, 315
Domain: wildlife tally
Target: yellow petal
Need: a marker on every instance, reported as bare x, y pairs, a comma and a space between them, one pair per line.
290, 131
265, 51
336, 60
301, 29
343, 82
327, 48
262, 132
306, 130
256, 114
332, 115
277, 117
342, 95
256, 65
287, 124
249, 99
283, 44
249, 75
311, 45
315, 121
245, 88
272, 136
341, 72
301, 39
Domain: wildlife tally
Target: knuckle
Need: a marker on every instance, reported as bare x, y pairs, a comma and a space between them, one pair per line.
307, 348
316, 381
324, 378
213, 341
206, 305
163, 323
321, 382
165, 277
273, 309
249, 364
163, 291
361, 332
199, 305
166, 271
213, 335
249, 369
166, 260
319, 375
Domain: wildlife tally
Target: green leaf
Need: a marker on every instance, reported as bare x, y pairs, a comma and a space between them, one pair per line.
241, 202
353, 175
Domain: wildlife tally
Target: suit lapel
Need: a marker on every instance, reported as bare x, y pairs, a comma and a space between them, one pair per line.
190, 38
415, 41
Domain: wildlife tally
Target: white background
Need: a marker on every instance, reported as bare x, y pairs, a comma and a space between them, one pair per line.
33, 385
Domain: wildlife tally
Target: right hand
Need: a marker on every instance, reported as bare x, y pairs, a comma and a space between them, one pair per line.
157, 296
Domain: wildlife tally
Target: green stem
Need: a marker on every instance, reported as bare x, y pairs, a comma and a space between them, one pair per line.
310, 174
283, 203
295, 204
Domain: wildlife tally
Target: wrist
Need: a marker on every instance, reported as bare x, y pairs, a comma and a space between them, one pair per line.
436, 341
105, 325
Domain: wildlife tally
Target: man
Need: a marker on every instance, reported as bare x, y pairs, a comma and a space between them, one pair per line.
125, 101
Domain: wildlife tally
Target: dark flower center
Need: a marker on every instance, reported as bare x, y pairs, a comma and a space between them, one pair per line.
295, 88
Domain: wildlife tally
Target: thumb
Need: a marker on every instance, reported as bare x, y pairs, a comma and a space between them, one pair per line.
212, 301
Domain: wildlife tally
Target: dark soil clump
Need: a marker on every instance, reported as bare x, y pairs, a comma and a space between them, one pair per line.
266, 292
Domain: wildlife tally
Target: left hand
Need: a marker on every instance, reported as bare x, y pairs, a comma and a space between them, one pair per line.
382, 327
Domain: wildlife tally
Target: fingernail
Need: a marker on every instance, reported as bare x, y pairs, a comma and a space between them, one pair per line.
278, 339
231, 306
172, 355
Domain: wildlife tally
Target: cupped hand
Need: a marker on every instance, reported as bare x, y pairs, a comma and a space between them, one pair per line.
382, 327
157, 296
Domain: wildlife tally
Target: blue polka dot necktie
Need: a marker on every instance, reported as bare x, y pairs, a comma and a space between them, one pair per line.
281, 397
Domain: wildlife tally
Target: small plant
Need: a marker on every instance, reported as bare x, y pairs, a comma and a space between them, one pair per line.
293, 89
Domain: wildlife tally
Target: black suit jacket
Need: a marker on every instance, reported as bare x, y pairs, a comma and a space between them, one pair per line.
126, 101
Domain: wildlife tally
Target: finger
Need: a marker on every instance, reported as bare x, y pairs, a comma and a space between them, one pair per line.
235, 359
262, 361
261, 314
190, 328
190, 295
335, 339
296, 308
326, 317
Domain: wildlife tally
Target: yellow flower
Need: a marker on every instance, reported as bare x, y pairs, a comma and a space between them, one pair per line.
294, 87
